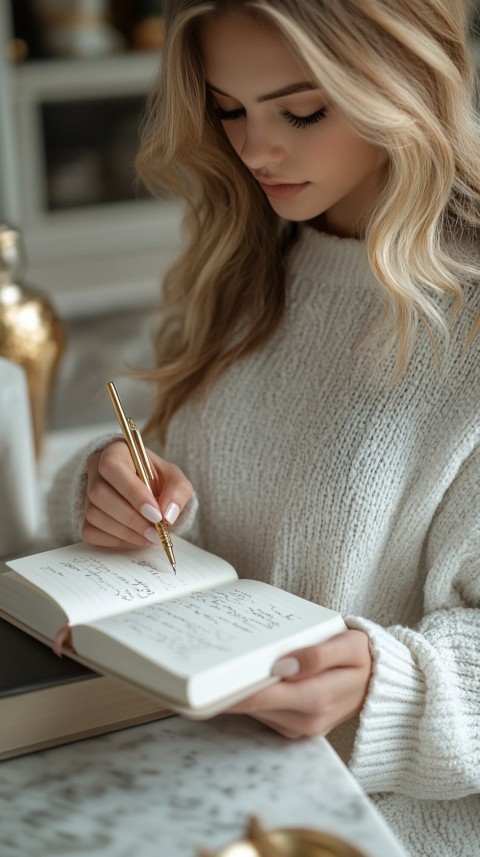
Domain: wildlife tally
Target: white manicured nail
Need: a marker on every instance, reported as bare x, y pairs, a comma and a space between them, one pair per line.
150, 513
286, 668
172, 512
151, 534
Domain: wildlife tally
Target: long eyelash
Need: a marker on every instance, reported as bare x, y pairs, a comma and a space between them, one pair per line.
296, 121
228, 114
305, 121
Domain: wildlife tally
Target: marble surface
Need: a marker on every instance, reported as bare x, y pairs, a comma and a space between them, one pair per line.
168, 788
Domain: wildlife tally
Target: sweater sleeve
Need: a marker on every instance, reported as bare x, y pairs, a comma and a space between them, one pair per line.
419, 730
65, 501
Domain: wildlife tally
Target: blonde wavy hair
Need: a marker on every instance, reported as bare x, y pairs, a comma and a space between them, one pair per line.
400, 72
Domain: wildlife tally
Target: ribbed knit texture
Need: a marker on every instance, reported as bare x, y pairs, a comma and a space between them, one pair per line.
314, 473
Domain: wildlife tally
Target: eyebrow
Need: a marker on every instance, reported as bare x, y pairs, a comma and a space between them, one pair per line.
302, 86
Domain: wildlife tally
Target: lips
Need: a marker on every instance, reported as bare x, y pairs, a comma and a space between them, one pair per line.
279, 190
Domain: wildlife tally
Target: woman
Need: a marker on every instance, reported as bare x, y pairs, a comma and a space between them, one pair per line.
318, 371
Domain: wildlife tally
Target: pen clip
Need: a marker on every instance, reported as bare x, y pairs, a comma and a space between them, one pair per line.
142, 453
132, 437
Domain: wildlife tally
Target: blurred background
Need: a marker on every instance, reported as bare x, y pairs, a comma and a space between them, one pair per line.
74, 75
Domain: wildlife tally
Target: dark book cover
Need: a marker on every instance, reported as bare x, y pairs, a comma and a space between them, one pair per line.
27, 665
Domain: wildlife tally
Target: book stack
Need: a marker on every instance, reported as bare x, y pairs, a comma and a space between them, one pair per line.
46, 700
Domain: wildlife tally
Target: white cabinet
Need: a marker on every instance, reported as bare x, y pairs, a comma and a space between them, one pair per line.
68, 132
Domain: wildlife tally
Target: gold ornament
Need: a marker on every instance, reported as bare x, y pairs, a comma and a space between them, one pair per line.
30, 333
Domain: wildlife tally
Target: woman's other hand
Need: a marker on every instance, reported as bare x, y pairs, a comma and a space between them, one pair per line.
119, 508
321, 686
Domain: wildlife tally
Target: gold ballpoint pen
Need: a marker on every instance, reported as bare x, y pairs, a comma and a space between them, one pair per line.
142, 465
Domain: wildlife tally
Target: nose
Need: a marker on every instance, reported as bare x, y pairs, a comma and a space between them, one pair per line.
260, 147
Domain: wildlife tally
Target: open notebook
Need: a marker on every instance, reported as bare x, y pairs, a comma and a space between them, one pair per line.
197, 641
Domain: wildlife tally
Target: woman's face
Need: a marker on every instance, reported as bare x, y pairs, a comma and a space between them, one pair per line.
307, 157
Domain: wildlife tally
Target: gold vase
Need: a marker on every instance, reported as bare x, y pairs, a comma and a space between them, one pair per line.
30, 333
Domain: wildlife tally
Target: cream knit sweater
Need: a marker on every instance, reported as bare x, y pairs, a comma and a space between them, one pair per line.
313, 473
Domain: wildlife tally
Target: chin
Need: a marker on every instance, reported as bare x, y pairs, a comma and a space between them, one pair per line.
296, 213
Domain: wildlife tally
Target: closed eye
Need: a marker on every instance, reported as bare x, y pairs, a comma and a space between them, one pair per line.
224, 115
305, 121
292, 119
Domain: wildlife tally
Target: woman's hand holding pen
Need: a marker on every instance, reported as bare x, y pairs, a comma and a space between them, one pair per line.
119, 508
322, 686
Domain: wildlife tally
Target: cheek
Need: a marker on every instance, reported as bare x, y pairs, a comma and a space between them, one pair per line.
346, 155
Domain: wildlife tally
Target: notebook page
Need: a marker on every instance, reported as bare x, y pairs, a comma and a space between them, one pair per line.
218, 639
90, 582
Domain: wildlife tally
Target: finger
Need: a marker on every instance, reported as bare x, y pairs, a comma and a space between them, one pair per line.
297, 724
115, 467
171, 487
96, 519
278, 725
93, 536
351, 648
310, 697
106, 509
101, 497
322, 705
294, 725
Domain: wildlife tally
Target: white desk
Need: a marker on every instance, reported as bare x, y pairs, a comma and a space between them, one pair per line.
163, 789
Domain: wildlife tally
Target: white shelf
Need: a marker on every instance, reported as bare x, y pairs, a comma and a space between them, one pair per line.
88, 259
94, 260
119, 75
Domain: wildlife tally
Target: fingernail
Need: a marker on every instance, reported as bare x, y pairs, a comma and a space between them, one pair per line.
285, 668
151, 534
172, 512
150, 513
